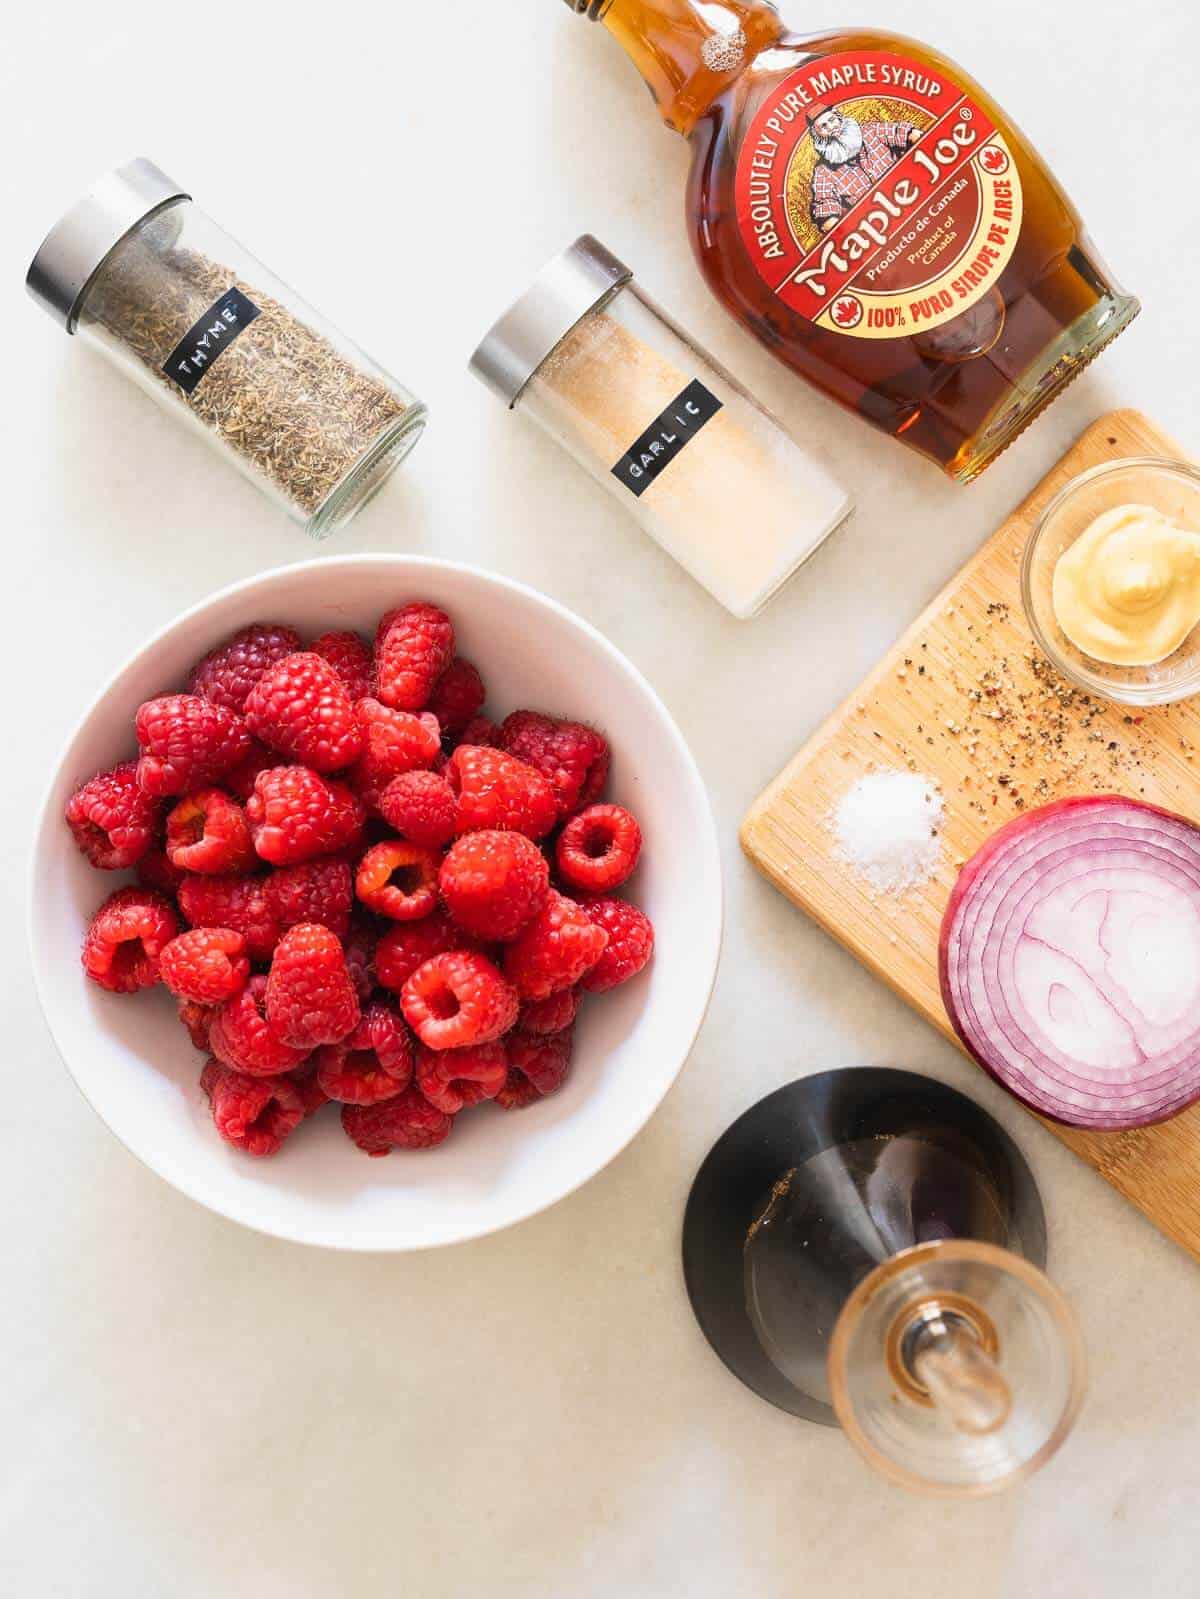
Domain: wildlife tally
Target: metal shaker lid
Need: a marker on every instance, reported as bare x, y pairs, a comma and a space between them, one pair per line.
80, 242
562, 294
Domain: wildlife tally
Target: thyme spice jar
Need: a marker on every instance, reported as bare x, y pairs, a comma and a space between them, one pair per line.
141, 272
707, 472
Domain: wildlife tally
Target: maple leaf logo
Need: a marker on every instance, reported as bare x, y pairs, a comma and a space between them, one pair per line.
994, 160
846, 311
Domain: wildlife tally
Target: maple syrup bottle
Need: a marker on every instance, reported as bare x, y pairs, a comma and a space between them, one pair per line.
871, 214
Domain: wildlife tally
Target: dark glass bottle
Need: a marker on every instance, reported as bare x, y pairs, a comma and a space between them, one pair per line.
873, 216
863, 1248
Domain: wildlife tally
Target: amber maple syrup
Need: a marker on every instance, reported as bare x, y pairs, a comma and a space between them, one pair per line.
874, 217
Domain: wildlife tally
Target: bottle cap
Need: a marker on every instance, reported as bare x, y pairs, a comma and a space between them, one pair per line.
563, 293
80, 242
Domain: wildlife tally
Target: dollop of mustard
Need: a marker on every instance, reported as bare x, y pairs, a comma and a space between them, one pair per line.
1128, 590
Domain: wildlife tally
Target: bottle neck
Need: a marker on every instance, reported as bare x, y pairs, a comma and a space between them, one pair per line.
689, 51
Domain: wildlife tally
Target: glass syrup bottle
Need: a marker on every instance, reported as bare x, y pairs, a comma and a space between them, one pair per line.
876, 220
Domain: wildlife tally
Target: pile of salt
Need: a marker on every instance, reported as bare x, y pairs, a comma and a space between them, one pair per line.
886, 827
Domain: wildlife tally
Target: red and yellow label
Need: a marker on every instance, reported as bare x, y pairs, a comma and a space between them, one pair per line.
877, 197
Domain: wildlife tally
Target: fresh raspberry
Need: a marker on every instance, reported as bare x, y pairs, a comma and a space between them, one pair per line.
315, 891
186, 742
496, 791
480, 730
630, 943
312, 1095
125, 941
555, 950
394, 742
518, 1093
155, 870
207, 965
375, 1063
542, 1060
237, 903
227, 674
458, 999
296, 815
240, 779
599, 848
310, 996
255, 1114
413, 647
240, 1036
300, 707
551, 1015
458, 696
573, 759
399, 881
456, 1079
421, 807
407, 1122
351, 658
493, 884
359, 946
408, 945
112, 819
207, 832
197, 1019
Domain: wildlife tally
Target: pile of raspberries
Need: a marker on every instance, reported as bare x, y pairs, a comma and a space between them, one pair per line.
359, 889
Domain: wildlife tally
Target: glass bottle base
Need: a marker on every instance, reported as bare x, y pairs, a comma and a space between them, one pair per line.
368, 474
1040, 384
957, 1369
818, 1184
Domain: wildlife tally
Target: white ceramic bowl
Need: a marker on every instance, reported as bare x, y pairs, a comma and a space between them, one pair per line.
132, 1059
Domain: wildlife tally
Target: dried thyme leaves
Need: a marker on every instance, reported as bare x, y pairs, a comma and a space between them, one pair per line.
282, 396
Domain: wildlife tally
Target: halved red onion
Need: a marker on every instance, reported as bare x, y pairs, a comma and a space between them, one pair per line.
1070, 961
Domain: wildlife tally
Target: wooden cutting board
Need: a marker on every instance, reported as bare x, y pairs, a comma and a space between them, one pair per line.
966, 700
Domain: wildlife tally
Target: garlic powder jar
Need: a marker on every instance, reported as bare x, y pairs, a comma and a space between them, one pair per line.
708, 473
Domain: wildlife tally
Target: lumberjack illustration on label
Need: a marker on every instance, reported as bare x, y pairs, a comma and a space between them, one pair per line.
852, 158
876, 197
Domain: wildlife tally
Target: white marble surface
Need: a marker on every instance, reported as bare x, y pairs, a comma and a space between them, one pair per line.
190, 1409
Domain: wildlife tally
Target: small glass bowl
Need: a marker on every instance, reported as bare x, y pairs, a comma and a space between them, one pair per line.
1172, 487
